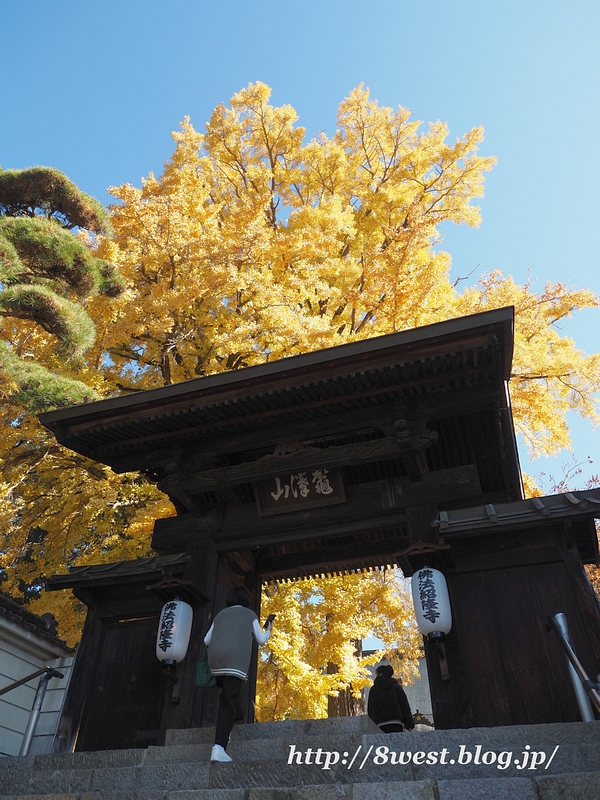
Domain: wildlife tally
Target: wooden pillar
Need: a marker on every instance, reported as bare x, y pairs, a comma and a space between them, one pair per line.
79, 685
194, 707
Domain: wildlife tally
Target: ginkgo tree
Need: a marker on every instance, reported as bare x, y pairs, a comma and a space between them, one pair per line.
318, 623
255, 244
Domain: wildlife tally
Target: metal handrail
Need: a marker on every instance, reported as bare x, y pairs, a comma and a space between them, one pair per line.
46, 674
592, 689
54, 674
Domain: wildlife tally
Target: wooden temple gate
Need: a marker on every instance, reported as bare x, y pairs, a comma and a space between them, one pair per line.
394, 451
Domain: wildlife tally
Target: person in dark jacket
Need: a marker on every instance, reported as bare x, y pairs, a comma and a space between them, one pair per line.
388, 704
229, 642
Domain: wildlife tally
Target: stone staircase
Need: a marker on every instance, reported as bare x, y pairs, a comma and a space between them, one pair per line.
322, 759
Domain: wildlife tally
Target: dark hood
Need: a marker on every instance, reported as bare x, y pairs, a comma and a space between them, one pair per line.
384, 682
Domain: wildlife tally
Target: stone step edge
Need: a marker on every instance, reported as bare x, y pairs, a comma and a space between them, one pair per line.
248, 751
585, 784
297, 728
204, 778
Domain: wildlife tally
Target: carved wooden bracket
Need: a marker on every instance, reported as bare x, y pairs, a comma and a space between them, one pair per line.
420, 548
172, 486
302, 458
413, 435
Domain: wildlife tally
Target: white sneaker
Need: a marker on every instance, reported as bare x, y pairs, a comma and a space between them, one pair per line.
218, 754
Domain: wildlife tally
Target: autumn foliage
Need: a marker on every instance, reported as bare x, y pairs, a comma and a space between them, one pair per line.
318, 623
256, 244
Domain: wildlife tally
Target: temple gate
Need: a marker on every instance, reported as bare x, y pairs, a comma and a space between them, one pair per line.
393, 451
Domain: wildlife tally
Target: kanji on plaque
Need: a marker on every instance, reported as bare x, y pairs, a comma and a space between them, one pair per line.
321, 481
291, 488
297, 490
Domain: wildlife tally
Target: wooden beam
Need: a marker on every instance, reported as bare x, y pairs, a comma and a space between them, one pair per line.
201, 450
369, 507
336, 556
147, 441
304, 459
347, 422
420, 519
195, 453
173, 485
242, 528
457, 402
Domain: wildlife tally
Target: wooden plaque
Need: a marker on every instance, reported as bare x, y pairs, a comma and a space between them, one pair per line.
299, 490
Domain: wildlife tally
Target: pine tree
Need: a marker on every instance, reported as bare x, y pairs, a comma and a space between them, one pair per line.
46, 272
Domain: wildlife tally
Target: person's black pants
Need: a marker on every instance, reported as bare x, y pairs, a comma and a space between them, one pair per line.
229, 707
391, 727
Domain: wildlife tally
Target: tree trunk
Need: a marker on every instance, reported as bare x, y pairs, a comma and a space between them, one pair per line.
345, 705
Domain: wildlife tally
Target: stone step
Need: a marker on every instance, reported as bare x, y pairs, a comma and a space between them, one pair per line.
253, 749
369, 763
293, 730
72, 761
313, 759
574, 786
420, 754
457, 744
284, 729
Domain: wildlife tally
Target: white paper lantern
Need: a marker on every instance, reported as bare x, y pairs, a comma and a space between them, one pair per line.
431, 601
174, 631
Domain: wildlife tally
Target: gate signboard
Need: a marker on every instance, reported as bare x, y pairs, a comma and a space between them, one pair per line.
298, 491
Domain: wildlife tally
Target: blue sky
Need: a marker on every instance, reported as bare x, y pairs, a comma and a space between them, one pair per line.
95, 88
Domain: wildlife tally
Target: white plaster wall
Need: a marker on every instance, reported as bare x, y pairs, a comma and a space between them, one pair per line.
21, 653
419, 696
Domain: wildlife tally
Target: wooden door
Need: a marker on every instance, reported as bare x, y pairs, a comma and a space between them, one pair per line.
125, 697
513, 670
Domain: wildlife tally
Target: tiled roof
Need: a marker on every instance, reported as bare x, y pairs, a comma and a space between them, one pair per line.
43, 627
529, 512
145, 568
578, 510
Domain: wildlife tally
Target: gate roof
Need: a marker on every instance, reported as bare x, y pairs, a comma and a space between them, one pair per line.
440, 360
